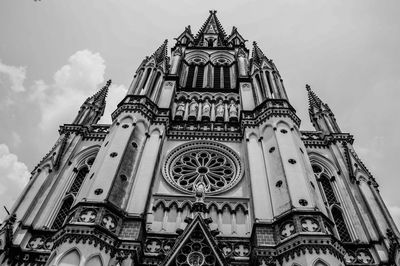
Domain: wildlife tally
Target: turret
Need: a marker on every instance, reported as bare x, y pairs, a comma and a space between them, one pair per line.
149, 76
93, 108
267, 81
321, 115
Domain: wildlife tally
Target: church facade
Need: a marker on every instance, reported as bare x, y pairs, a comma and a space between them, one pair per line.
204, 164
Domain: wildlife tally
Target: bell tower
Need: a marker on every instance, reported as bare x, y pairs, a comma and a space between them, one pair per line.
204, 163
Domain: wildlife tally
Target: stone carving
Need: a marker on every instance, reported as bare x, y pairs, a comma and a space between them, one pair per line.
216, 167
309, 225
233, 111
206, 112
193, 109
109, 222
287, 230
220, 111
180, 109
87, 216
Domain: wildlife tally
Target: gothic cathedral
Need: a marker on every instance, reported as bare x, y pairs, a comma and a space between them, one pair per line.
204, 164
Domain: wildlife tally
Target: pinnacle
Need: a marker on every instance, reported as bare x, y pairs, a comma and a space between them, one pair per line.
161, 53
213, 21
257, 54
313, 99
100, 96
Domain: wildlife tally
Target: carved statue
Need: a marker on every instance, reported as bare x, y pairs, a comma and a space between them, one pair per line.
220, 109
233, 110
193, 108
206, 109
180, 109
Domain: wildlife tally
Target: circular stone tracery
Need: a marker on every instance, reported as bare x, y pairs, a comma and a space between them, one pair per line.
214, 165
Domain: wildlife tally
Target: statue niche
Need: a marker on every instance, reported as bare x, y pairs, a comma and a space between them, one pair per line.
206, 111
233, 112
180, 110
193, 110
220, 111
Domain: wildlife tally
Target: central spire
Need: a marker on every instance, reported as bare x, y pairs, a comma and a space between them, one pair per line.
211, 32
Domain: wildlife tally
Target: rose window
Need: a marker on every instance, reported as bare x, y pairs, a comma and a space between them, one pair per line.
215, 166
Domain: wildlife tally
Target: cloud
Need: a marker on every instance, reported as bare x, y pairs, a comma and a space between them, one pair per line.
395, 212
12, 171
60, 101
15, 75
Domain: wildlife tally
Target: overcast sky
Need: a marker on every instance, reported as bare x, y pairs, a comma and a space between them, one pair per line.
54, 54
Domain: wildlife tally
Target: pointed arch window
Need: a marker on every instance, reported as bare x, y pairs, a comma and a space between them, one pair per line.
217, 77
190, 76
63, 213
73, 190
79, 178
321, 175
328, 190
340, 225
227, 77
200, 76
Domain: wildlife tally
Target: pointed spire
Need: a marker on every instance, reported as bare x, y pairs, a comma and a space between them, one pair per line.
257, 54
100, 96
211, 26
313, 100
235, 38
161, 53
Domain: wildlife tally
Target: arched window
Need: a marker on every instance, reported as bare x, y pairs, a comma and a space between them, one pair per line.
326, 187
328, 190
155, 83
79, 178
217, 77
190, 76
71, 193
71, 258
200, 76
63, 213
227, 77
340, 225
146, 78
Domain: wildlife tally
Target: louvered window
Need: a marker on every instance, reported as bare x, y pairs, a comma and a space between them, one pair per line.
328, 190
80, 177
227, 78
190, 76
341, 225
217, 77
200, 77
63, 213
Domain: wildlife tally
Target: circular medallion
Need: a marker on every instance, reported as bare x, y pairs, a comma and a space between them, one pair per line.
214, 165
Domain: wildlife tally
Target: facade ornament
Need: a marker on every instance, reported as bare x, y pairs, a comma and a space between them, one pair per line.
193, 109
220, 110
233, 111
206, 112
180, 109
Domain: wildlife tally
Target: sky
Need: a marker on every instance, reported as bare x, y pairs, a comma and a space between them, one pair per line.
54, 54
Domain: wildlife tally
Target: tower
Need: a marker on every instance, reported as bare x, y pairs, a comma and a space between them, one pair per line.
204, 163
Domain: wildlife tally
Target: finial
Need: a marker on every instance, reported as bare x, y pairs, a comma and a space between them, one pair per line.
308, 87
254, 43
108, 83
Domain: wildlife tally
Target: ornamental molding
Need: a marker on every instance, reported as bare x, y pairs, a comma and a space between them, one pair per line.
212, 164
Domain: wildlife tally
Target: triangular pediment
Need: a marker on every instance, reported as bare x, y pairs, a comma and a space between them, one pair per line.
195, 246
